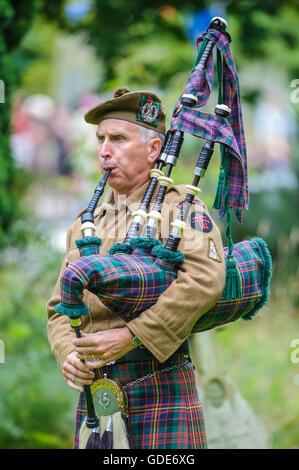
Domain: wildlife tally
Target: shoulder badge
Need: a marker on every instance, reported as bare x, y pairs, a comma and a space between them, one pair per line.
213, 252
200, 221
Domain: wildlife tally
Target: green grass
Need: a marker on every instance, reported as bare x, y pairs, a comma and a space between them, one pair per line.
257, 355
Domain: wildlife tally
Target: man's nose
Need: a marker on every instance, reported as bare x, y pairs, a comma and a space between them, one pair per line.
105, 149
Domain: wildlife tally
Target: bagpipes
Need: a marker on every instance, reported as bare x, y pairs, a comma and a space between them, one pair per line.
142, 259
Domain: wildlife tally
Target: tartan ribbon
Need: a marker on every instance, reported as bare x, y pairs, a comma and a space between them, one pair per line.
192, 121
207, 126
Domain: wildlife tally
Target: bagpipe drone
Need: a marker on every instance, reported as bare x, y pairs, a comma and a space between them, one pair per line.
116, 277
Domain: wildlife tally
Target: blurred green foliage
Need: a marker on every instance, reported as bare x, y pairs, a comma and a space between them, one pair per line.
138, 46
116, 27
15, 20
257, 358
135, 43
36, 406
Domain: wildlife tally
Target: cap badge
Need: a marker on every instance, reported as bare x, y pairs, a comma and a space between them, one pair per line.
148, 110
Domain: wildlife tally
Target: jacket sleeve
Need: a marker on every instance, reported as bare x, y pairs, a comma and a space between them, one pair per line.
199, 284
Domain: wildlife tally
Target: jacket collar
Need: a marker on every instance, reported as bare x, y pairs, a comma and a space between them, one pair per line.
129, 204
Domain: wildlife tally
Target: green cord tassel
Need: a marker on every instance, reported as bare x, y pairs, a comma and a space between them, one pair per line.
219, 191
221, 181
232, 289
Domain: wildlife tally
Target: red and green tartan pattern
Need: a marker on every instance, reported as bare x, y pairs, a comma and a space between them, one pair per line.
190, 120
127, 284
130, 284
199, 84
207, 126
254, 267
164, 411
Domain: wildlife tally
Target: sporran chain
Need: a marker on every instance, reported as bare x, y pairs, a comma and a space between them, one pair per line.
158, 372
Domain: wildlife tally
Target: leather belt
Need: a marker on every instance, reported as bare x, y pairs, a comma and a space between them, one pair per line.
143, 354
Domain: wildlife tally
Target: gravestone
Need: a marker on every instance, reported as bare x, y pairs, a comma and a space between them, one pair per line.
2, 351
230, 421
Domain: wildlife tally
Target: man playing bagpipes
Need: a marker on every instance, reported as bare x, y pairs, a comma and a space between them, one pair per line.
134, 303
164, 409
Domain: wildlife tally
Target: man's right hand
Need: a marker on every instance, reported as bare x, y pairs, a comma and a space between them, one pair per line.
75, 372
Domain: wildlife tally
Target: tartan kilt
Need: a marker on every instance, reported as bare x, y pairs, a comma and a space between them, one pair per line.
164, 411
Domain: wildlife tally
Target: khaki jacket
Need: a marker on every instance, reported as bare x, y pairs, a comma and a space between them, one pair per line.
169, 322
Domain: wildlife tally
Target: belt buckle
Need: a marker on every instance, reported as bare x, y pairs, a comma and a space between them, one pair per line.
109, 397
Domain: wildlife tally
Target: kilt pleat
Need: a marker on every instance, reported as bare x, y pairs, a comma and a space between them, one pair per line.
164, 410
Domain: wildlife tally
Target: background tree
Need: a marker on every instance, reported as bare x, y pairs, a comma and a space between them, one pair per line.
137, 44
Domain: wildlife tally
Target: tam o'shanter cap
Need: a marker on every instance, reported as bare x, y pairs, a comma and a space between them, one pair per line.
140, 107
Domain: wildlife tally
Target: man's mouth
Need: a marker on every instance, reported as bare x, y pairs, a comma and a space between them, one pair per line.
109, 168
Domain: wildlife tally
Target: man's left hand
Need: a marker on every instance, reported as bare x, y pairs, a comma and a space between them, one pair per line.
100, 348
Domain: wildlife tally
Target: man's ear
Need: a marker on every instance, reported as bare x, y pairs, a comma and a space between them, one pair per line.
155, 146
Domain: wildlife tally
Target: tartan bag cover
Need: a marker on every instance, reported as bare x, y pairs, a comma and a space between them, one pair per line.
229, 132
164, 410
130, 284
254, 267
127, 284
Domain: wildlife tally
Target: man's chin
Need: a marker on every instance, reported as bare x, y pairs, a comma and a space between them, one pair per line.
116, 183
114, 177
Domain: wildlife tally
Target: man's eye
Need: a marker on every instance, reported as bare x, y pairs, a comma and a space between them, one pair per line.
100, 139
